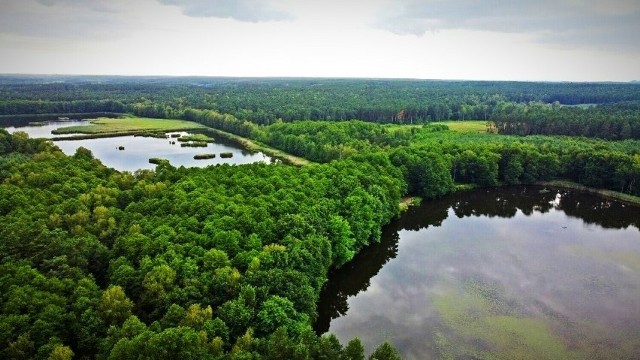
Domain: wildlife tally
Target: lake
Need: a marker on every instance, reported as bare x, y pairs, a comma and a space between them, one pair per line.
510, 273
138, 150
44, 131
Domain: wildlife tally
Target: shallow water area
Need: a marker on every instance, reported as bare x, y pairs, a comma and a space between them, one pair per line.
506, 273
138, 149
44, 131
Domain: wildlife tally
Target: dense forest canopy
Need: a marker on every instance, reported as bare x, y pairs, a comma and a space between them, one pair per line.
176, 263
265, 101
227, 262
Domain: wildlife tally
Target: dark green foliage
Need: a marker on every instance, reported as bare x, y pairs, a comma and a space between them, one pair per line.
611, 121
264, 101
204, 156
353, 351
385, 352
428, 173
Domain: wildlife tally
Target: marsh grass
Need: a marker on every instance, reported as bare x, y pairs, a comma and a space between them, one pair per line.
129, 125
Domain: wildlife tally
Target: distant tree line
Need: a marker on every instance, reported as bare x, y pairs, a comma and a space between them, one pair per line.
265, 101
618, 121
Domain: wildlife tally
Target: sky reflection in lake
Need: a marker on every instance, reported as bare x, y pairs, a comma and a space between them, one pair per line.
138, 150
466, 282
44, 131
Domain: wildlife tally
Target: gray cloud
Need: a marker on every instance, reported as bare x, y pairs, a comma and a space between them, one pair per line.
61, 19
593, 23
241, 10
95, 5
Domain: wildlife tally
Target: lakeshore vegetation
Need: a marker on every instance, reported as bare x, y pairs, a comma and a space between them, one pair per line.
132, 124
227, 262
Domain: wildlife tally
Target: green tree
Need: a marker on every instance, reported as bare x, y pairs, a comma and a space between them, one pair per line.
61, 352
385, 352
115, 307
275, 312
21, 348
353, 351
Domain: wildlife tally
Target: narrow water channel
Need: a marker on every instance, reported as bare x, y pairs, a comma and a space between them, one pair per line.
518, 272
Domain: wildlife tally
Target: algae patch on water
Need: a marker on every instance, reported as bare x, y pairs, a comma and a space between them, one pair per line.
482, 322
626, 259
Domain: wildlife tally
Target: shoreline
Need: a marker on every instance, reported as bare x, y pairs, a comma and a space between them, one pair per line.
255, 146
608, 194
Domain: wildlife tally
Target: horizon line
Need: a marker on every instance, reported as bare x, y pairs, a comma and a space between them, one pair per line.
293, 77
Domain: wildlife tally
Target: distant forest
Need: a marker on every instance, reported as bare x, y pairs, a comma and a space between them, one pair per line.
604, 110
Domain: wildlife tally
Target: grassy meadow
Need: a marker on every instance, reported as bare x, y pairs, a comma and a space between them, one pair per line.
129, 125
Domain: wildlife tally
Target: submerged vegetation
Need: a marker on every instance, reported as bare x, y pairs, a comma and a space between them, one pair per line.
227, 262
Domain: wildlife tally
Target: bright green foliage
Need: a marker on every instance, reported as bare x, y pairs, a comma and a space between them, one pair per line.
196, 316
114, 307
181, 254
61, 352
172, 343
276, 311
128, 123
340, 233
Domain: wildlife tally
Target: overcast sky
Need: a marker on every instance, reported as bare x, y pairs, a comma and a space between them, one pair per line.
555, 40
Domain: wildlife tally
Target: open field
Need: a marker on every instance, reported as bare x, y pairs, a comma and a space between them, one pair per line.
129, 125
466, 126
460, 126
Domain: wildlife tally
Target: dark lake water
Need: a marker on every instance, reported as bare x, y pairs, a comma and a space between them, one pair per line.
138, 150
511, 273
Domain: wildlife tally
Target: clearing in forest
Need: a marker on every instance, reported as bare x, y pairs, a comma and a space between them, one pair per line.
466, 126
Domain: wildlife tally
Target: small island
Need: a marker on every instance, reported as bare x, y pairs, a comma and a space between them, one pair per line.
194, 144
226, 155
196, 138
158, 161
204, 156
